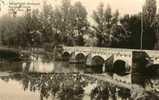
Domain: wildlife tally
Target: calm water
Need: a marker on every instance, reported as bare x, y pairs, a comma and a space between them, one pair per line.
57, 87
42, 78
35, 79
44, 64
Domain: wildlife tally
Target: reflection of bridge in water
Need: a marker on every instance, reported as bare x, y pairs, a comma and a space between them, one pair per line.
112, 59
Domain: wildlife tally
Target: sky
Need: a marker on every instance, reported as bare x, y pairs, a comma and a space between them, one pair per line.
124, 6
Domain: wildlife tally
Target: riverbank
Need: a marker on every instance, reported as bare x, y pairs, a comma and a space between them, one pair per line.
17, 54
2, 74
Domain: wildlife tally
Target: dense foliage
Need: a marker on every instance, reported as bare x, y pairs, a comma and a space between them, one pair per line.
68, 24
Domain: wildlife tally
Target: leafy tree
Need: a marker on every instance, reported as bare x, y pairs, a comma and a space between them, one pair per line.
120, 37
156, 25
115, 17
131, 27
45, 18
8, 29
35, 20
98, 16
66, 25
57, 25
149, 13
70, 23
108, 18
104, 21
120, 33
80, 22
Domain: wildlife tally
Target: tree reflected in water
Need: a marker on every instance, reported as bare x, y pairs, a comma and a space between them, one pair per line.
55, 86
68, 87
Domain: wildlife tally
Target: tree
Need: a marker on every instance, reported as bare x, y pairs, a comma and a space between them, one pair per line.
108, 19
80, 20
157, 30
120, 37
115, 17
132, 30
35, 20
70, 23
46, 23
9, 30
98, 17
25, 26
80, 23
104, 22
57, 25
149, 13
66, 25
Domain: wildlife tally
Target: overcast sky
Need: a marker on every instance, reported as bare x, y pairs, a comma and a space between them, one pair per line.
124, 6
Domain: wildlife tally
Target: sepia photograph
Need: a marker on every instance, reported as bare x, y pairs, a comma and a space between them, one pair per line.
79, 49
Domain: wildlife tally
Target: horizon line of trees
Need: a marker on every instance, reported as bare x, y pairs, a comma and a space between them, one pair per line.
68, 24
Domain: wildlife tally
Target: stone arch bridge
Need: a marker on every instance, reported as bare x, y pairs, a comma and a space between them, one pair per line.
122, 60
125, 55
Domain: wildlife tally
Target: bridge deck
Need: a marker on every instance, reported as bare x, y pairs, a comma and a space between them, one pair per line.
113, 49
154, 54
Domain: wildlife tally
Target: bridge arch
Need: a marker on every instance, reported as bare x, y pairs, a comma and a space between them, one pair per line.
153, 70
121, 67
97, 60
80, 56
66, 56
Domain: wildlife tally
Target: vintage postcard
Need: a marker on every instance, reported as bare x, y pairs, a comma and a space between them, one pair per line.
79, 49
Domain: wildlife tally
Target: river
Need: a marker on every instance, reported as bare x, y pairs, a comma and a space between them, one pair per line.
41, 78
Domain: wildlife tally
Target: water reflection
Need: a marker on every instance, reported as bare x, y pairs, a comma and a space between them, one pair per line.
37, 75
45, 64
6, 66
66, 87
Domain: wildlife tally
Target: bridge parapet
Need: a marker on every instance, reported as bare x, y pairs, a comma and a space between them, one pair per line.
95, 49
119, 53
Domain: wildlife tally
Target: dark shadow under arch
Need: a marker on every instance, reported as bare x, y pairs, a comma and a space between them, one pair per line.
66, 56
80, 56
153, 71
97, 61
97, 64
120, 68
